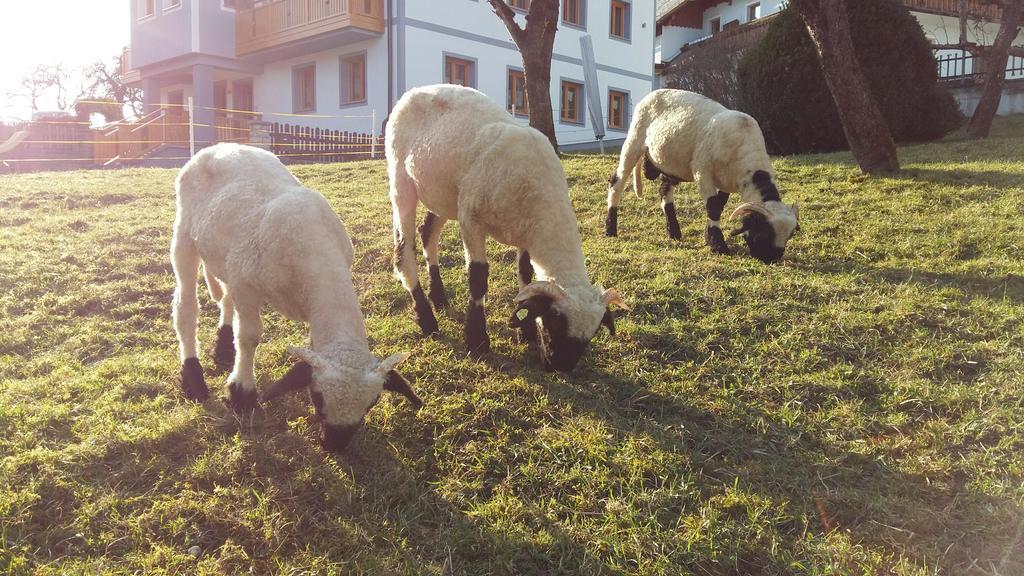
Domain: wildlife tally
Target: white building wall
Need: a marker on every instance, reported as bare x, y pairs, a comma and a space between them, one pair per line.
469, 29
272, 90
737, 10
675, 37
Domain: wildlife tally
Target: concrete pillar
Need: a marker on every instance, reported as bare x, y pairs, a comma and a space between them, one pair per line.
202, 102
150, 95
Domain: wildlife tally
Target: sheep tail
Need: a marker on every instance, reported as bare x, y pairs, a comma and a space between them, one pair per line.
638, 179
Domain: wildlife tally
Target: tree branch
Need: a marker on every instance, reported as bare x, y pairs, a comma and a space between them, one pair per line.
508, 17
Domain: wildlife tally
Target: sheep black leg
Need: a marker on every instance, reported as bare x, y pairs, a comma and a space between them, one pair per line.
193, 385
669, 206
713, 235
430, 234
405, 265
424, 313
528, 332
611, 222
241, 386
224, 350
241, 399
476, 337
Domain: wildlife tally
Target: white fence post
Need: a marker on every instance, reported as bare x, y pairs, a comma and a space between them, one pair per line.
191, 129
373, 135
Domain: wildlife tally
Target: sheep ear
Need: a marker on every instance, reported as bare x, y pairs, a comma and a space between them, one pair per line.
528, 310
541, 288
752, 207
612, 296
298, 376
397, 383
608, 322
310, 357
388, 364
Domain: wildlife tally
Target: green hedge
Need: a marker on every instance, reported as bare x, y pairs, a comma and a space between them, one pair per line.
782, 86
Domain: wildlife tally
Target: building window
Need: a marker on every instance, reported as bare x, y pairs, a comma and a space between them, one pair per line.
147, 7
241, 95
618, 106
517, 93
716, 26
459, 71
620, 19
304, 88
220, 95
171, 5
353, 79
573, 11
753, 11
523, 5
572, 100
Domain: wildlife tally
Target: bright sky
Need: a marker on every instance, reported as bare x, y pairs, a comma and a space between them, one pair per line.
73, 32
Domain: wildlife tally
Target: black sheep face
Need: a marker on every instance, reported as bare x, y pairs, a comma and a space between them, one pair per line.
760, 237
767, 229
341, 394
566, 323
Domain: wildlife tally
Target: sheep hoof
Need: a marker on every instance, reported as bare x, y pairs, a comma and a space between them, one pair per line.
193, 385
424, 314
671, 223
716, 240
477, 341
440, 299
480, 347
437, 295
224, 351
241, 400
611, 222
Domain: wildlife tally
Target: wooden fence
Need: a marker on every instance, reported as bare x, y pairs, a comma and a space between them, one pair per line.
305, 144
49, 145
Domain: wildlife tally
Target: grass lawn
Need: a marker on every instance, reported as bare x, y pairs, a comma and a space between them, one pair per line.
858, 409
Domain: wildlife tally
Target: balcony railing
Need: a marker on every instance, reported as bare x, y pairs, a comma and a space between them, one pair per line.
975, 8
128, 75
265, 24
729, 40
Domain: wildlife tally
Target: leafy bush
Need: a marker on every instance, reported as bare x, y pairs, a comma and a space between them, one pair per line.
781, 83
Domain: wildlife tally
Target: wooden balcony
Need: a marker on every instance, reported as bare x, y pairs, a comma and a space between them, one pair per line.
266, 24
732, 38
976, 9
128, 75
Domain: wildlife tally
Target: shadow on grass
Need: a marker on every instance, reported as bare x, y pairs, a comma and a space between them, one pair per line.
936, 521
972, 285
963, 176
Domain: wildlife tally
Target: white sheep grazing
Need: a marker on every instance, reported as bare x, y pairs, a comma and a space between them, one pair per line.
466, 159
263, 238
683, 137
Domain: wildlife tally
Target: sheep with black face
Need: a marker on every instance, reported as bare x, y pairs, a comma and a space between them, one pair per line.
465, 158
263, 238
684, 137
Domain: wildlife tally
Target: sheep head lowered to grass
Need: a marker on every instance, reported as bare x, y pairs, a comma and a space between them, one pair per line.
343, 388
465, 158
263, 238
567, 319
681, 136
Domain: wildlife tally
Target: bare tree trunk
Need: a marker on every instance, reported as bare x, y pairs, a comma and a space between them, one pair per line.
535, 42
865, 127
995, 71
